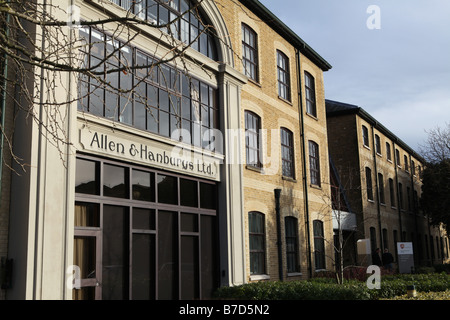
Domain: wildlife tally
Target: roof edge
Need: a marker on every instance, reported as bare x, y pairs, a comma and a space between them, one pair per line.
273, 21
357, 110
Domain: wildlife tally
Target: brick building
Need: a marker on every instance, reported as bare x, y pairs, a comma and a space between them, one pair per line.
380, 176
169, 190
285, 147
197, 155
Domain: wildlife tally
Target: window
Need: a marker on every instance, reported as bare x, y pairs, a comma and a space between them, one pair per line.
88, 177
381, 188
415, 200
319, 245
392, 192
252, 139
408, 199
163, 101
310, 95
250, 52
291, 233
365, 133
397, 158
284, 90
287, 153
257, 243
377, 144
388, 151
115, 181
143, 233
400, 196
182, 18
413, 167
405, 160
369, 184
314, 163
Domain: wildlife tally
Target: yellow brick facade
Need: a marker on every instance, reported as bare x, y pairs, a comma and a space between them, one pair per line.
39, 235
261, 97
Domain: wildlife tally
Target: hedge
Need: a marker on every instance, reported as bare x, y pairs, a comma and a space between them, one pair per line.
327, 289
294, 290
396, 285
443, 295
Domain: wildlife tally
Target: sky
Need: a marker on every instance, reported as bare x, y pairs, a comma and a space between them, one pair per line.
393, 60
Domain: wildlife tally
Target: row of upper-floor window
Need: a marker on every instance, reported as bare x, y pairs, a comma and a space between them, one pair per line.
180, 19
107, 103
130, 86
98, 178
251, 65
258, 249
410, 204
254, 150
407, 164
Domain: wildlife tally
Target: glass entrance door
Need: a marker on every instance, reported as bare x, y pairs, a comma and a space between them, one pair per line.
143, 234
86, 251
85, 258
115, 234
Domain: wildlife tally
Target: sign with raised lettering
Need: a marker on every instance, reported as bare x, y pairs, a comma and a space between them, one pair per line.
124, 146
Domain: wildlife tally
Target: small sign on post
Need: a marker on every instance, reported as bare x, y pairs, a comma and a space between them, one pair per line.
405, 257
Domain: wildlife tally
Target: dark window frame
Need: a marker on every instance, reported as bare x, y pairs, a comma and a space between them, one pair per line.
287, 153
381, 188
291, 238
253, 139
392, 192
250, 52
283, 76
388, 151
314, 163
310, 91
365, 135
319, 245
378, 144
257, 254
369, 184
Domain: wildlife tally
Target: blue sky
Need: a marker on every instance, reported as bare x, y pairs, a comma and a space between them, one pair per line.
399, 73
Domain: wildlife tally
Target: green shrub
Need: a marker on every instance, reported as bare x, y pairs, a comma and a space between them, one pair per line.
392, 286
443, 295
328, 289
295, 290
